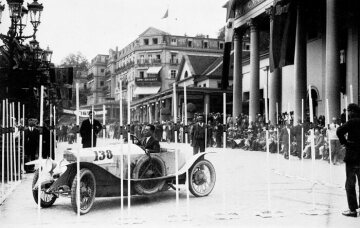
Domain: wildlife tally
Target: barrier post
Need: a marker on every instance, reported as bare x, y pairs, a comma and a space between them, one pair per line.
92, 126
7, 142
11, 143
3, 152
302, 139
54, 135
313, 210
329, 140
19, 141
104, 122
51, 133
40, 144
23, 138
269, 212
78, 151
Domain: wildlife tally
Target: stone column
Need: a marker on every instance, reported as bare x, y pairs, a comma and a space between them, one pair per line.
254, 71
332, 72
237, 78
274, 80
156, 113
207, 102
300, 62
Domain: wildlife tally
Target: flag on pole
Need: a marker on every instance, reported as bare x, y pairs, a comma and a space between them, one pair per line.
166, 15
229, 32
282, 46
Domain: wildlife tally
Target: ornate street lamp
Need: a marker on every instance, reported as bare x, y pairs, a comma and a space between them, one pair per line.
35, 10
47, 54
15, 8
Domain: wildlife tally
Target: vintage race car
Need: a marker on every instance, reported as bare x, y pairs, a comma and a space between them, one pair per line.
100, 174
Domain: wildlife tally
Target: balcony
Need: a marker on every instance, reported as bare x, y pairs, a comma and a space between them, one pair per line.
125, 67
148, 81
174, 61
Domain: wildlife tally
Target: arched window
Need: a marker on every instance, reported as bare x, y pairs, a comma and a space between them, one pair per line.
186, 74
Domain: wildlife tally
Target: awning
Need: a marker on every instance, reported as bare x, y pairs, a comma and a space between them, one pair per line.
154, 70
146, 90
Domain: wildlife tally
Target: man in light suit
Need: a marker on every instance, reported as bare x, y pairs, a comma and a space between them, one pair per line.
85, 131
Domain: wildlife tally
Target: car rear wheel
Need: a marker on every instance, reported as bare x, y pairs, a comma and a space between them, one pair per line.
87, 191
202, 178
46, 199
147, 168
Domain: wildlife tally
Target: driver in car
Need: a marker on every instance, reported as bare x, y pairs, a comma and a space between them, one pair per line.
149, 142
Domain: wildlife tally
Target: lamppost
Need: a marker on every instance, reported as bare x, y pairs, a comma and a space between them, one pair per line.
23, 66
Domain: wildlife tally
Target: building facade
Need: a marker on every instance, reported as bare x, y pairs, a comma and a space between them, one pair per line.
146, 67
326, 60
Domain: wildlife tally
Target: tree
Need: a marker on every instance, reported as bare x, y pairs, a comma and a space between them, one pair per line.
78, 61
221, 33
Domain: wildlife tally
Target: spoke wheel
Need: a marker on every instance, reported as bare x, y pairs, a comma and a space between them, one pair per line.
202, 178
147, 168
87, 191
47, 199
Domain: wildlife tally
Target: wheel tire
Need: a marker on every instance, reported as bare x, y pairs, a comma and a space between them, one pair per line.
88, 178
49, 202
152, 186
198, 177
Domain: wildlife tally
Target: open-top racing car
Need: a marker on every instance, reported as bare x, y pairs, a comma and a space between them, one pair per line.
100, 174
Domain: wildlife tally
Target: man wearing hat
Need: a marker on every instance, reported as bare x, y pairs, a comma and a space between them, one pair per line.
85, 131
198, 135
352, 156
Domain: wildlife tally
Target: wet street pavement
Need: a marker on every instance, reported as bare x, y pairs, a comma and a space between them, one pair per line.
241, 192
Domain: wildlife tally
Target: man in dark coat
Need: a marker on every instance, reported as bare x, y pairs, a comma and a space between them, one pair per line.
149, 142
31, 144
352, 156
198, 135
85, 131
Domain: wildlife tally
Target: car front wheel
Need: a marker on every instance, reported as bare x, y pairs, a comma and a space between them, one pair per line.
202, 178
87, 191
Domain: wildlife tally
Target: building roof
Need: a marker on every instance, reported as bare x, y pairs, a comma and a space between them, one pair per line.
151, 31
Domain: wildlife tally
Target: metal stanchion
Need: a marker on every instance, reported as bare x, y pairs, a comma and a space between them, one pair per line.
19, 140
54, 135
314, 210
269, 213
3, 152
175, 217
51, 132
302, 140
104, 128
40, 146
187, 184
78, 151
11, 143
23, 138
277, 171
7, 142
13, 119
92, 126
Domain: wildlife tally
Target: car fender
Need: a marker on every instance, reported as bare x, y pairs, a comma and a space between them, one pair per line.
192, 161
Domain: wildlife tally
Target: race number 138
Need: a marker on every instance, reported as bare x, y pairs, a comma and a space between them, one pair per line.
102, 155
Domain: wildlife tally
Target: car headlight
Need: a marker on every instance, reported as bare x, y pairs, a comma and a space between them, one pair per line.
63, 165
49, 165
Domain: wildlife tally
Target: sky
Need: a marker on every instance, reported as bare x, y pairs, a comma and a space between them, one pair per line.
94, 26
